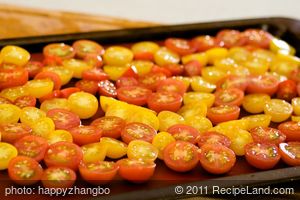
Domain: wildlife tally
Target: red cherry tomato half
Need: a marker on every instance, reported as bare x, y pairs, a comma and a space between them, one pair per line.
25, 101
12, 132
181, 156
87, 86
232, 81
171, 85
65, 93
13, 77
164, 101
58, 51
180, 46
134, 95
204, 42
258, 38
136, 171
98, 173
263, 84
193, 68
223, 113
107, 88
24, 170
216, 158
94, 74
84, 48
184, 133
53, 94
63, 154
58, 177
230, 96
63, 119
290, 153
158, 69
50, 75
50, 60
291, 129
94, 60
175, 69
85, 134
32, 146
267, 135
126, 81
213, 137
33, 68
137, 131
262, 155
151, 80
131, 72
110, 126
287, 90
230, 38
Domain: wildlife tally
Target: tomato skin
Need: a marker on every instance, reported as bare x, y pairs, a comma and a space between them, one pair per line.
213, 137
257, 156
171, 85
110, 126
134, 95
32, 146
230, 38
25, 101
263, 84
31, 168
290, 153
291, 129
85, 134
12, 77
257, 38
164, 101
65, 93
63, 119
179, 162
180, 46
63, 154
136, 171
212, 163
87, 86
193, 68
184, 133
58, 177
107, 88
216, 114
12, 132
204, 42
231, 96
97, 175
51, 75
94, 74
33, 68
267, 135
137, 131
287, 90
175, 69
126, 81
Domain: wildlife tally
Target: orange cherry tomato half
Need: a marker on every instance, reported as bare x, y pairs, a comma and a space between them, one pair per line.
13, 77
151, 80
291, 129
58, 177
87, 86
193, 68
290, 153
51, 75
175, 69
126, 81
267, 135
204, 42
180, 46
85, 134
63, 119
171, 85
230, 96
65, 93
94, 74
25, 101
13, 131
134, 95
213, 137
164, 101
110, 126
233, 81
137, 131
257, 38
223, 113
184, 133
84, 48
262, 84
33, 68
230, 38
58, 51
287, 90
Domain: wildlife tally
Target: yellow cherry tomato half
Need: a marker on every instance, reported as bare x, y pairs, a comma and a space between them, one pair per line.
160, 141
115, 149
213, 74
255, 103
277, 45
216, 53
168, 119
9, 113
114, 72
59, 136
165, 56
143, 67
64, 73
54, 103
283, 67
239, 54
239, 139
84, 104
141, 150
200, 123
94, 152
43, 127
76, 66
296, 105
295, 118
30, 115
200, 57
39, 87
184, 79
278, 109
257, 66
117, 55
14, 55
199, 84
193, 97
257, 120
193, 109
225, 64
145, 117
7, 152
145, 47
14, 92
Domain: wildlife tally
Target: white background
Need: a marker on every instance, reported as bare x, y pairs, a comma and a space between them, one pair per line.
172, 11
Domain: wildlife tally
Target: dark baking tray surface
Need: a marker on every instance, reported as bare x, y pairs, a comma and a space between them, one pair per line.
164, 181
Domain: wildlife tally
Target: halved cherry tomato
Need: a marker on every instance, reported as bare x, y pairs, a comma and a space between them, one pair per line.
94, 152
14, 55
4, 100
223, 113
296, 105
107, 88
130, 72
184, 133
295, 75
9, 113
213, 74
267, 135
65, 93
85, 134
287, 90
180, 46
136, 171
233, 81
164, 101
13, 93
193, 109
55, 103
278, 109
76, 66
257, 38
94, 60
144, 50
134, 94
193, 68
171, 85
30, 115
115, 149
230, 96
263, 84
255, 103
39, 87
52, 95
117, 55
13, 77
216, 158
25, 101
141, 150
110, 126
50, 75
213, 137
161, 140
175, 69
126, 81
137, 131
167, 119
32, 146
230, 38
262, 155
94, 74
87, 86
83, 48
204, 42
58, 51
98, 173
24, 170
165, 56
8, 152
58, 177
63, 154
59, 136
33, 68
151, 80
64, 73
181, 156
13, 131
63, 119
290, 153
291, 129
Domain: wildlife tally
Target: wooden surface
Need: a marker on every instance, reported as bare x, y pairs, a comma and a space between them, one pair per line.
20, 22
